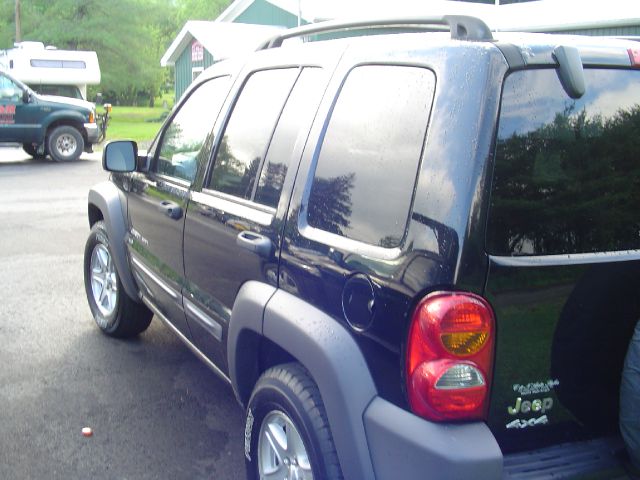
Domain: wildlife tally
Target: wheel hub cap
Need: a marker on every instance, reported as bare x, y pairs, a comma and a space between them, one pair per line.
66, 145
281, 451
104, 284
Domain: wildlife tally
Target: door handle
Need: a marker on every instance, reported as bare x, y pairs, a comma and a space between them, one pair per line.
254, 242
171, 210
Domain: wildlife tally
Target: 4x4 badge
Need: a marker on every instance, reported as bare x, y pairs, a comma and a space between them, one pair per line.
532, 422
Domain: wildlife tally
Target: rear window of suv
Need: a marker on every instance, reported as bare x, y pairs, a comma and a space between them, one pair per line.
567, 171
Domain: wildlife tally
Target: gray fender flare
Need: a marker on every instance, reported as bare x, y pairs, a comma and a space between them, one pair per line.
107, 198
324, 347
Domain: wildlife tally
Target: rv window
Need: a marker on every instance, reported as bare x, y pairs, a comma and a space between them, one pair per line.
70, 91
58, 63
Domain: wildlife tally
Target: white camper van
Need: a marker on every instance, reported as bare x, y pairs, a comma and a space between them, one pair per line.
50, 71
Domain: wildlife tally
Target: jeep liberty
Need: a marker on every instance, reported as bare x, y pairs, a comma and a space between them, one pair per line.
411, 254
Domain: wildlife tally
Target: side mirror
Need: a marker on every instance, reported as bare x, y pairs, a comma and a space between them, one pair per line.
26, 96
120, 156
99, 98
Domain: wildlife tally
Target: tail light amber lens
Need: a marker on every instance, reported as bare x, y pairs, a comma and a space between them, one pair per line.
450, 356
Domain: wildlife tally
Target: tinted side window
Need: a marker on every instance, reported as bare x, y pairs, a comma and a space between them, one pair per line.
567, 172
303, 101
249, 130
366, 170
185, 136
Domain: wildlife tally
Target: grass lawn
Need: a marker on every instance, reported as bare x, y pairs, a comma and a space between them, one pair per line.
134, 123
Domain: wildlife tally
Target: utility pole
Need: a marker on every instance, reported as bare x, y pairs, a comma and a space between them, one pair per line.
18, 26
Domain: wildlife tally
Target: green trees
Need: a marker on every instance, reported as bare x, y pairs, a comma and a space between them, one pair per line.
130, 36
200, 9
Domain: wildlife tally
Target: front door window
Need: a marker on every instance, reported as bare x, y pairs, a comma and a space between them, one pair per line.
10, 97
184, 139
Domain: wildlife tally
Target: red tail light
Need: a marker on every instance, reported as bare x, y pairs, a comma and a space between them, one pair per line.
450, 356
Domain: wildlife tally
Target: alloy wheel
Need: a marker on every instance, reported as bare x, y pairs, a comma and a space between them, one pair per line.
281, 451
104, 283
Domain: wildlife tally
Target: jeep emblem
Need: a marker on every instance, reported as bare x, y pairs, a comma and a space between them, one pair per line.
538, 405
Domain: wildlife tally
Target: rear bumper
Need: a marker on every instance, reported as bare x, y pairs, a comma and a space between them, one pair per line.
403, 445
598, 459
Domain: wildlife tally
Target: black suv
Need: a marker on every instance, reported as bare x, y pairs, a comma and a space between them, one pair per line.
409, 252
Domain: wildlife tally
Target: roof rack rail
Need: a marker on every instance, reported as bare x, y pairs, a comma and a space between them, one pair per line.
462, 27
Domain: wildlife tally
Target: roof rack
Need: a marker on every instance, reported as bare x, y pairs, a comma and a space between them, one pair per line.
462, 27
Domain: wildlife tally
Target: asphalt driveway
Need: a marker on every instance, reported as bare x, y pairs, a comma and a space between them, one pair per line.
155, 410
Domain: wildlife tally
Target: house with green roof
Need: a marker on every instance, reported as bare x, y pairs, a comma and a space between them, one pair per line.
242, 25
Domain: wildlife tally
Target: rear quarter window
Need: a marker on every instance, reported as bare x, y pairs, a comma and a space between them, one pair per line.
366, 172
567, 171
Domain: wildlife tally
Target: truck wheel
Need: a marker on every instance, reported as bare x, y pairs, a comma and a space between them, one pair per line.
114, 311
31, 150
287, 434
65, 144
630, 399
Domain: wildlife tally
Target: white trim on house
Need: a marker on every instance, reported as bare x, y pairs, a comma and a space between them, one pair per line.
220, 39
234, 10
238, 7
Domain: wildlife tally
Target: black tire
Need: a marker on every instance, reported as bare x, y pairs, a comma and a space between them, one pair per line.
32, 151
287, 392
115, 313
65, 144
